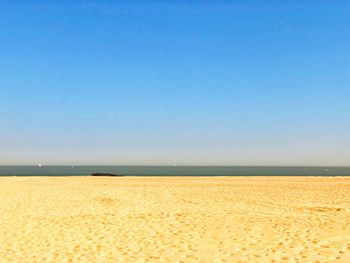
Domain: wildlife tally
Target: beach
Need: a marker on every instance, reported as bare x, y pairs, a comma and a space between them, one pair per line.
174, 219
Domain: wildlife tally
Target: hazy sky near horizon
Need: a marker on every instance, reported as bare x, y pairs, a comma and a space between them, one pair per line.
185, 82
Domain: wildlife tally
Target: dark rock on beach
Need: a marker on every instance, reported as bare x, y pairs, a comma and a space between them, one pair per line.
105, 174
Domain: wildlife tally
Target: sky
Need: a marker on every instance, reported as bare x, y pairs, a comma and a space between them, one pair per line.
175, 82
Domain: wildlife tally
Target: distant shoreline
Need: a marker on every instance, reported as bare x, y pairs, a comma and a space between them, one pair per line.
175, 170
181, 176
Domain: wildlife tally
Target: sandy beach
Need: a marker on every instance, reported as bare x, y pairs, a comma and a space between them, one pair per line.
174, 219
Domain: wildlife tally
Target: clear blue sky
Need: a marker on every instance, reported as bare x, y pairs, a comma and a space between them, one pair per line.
164, 82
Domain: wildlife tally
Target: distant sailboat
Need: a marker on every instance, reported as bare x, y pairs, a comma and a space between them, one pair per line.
39, 165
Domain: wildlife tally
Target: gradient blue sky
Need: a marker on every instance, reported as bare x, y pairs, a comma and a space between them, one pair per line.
164, 82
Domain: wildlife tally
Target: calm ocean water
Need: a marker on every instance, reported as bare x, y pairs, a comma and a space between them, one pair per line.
174, 170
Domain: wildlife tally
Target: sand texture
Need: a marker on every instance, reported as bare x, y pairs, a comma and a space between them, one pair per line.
174, 219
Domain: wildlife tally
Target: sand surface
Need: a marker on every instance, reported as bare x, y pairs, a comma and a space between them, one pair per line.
174, 219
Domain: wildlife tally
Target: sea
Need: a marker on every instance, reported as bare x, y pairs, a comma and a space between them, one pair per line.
78, 170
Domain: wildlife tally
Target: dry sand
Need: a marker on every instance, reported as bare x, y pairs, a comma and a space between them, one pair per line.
174, 219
